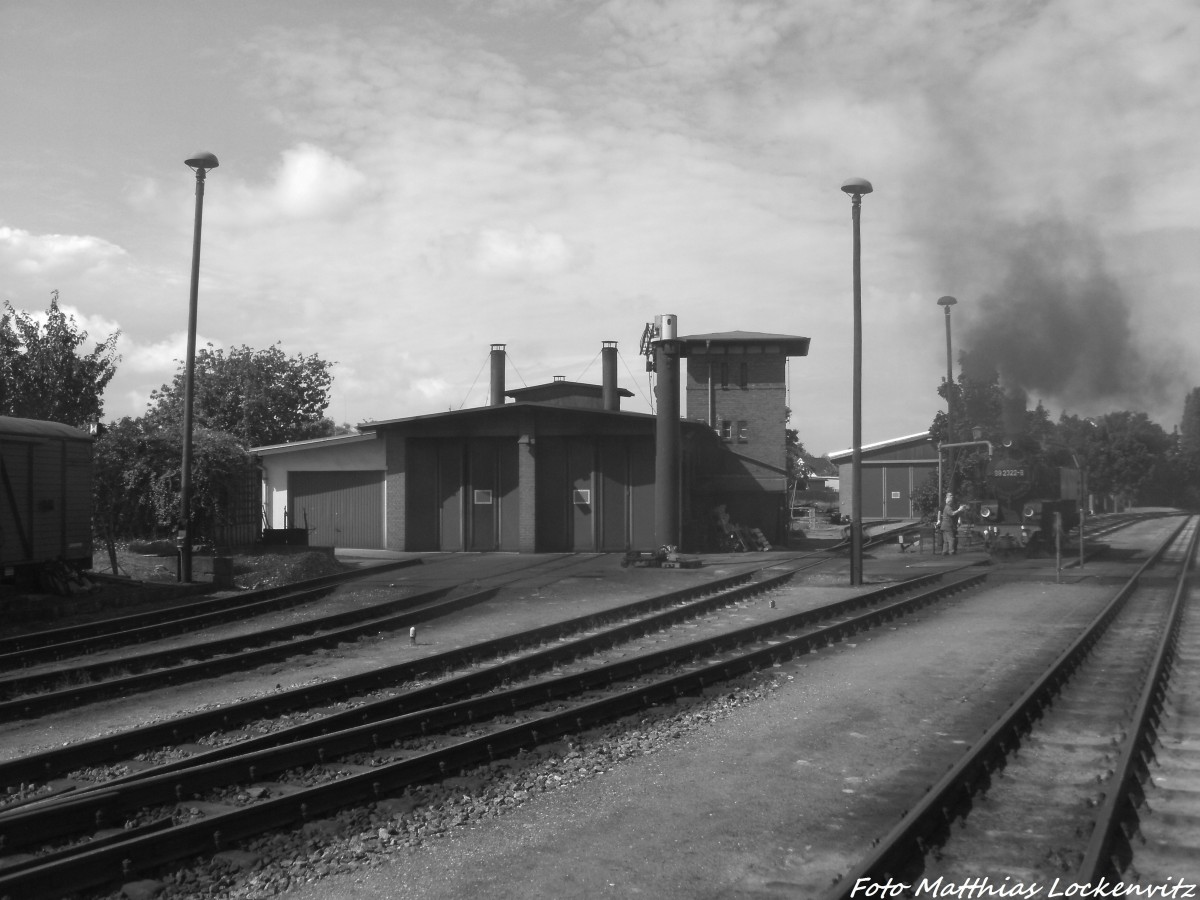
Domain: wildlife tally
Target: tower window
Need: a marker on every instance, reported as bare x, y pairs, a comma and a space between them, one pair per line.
743, 432
726, 430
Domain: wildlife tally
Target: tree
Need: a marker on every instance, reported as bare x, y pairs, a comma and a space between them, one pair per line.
128, 460
259, 396
1131, 454
42, 373
794, 454
136, 478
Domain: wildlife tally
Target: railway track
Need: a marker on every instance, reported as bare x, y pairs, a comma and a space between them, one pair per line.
1050, 796
51, 687
22, 651
427, 733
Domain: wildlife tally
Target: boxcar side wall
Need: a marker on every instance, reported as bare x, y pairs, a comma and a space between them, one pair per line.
45, 501
16, 509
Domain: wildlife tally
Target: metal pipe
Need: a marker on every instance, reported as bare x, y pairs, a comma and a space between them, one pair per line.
610, 399
856, 187
496, 397
667, 466
185, 474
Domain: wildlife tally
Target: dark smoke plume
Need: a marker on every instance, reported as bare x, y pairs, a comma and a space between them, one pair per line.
1057, 325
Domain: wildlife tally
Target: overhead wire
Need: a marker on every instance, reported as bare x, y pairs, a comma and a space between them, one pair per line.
633, 378
472, 387
588, 366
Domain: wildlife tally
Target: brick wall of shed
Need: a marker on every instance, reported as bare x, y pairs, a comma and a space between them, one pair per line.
762, 403
395, 494
527, 481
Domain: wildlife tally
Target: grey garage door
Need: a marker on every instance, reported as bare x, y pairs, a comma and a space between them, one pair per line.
339, 509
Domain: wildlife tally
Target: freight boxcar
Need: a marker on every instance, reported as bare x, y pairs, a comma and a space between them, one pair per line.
45, 495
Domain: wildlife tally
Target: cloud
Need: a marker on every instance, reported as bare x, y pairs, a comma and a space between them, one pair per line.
162, 356
418, 181
504, 253
308, 183
50, 254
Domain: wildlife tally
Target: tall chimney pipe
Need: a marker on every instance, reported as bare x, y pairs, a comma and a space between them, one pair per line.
497, 388
667, 464
608, 369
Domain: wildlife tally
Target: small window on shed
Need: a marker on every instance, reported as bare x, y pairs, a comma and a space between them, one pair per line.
581, 497
483, 498
895, 495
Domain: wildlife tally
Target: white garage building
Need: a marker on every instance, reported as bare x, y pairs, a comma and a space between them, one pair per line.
334, 488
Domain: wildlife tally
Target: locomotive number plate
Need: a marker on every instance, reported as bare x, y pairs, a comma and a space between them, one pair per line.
1008, 473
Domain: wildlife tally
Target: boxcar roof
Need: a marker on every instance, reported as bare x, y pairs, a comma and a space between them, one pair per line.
37, 428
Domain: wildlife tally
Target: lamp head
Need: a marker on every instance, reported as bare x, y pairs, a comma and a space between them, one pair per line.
947, 302
202, 160
857, 186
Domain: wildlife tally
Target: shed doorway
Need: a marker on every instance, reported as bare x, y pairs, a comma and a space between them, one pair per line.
339, 509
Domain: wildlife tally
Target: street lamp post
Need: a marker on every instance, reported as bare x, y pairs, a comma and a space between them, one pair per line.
946, 303
201, 163
856, 187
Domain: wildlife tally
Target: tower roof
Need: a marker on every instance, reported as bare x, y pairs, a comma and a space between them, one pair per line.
744, 342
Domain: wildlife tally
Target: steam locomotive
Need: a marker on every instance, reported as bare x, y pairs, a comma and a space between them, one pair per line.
1027, 501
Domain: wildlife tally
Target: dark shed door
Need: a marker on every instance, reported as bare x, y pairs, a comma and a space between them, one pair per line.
897, 489
872, 487
450, 485
641, 494
340, 509
614, 475
552, 532
510, 497
484, 499
580, 467
421, 515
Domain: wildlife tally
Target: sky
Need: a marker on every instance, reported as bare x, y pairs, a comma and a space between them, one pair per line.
404, 183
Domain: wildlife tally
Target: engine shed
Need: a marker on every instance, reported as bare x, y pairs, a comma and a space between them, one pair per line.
554, 467
558, 468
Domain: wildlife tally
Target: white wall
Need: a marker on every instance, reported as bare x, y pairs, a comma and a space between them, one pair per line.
352, 453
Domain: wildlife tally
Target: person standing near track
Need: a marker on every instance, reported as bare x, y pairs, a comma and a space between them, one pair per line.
948, 522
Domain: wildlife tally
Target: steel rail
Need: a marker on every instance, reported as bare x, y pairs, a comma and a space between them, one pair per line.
158, 786
302, 593
235, 657
46, 764
175, 668
185, 618
1109, 842
132, 622
895, 853
93, 867
496, 676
